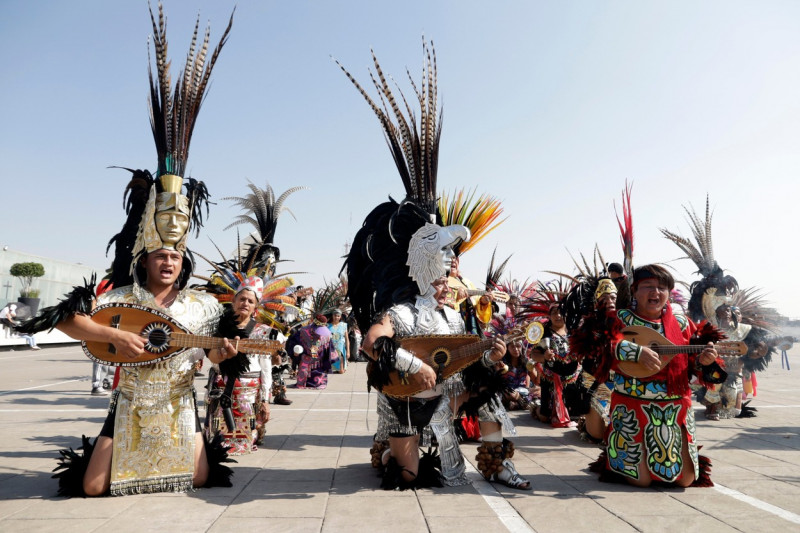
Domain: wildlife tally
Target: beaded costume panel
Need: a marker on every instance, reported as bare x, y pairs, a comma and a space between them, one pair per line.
646, 419
155, 425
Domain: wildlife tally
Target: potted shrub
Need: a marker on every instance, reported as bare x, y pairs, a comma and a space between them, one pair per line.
26, 272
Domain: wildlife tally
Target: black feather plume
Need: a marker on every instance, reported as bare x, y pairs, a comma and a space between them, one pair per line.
79, 300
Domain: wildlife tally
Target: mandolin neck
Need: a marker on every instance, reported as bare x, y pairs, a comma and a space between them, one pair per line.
185, 340
667, 349
481, 346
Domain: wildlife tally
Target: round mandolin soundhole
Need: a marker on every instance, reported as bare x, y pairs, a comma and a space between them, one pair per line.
157, 335
441, 357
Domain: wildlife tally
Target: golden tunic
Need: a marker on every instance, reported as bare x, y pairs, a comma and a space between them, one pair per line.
155, 424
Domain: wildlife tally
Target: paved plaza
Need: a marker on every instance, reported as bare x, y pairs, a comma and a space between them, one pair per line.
313, 473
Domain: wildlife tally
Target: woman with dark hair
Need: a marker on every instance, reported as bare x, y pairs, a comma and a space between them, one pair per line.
651, 431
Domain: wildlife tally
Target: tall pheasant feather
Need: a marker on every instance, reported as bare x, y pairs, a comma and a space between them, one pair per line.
173, 113
414, 145
702, 254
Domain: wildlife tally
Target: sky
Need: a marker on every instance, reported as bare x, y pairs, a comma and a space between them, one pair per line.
549, 106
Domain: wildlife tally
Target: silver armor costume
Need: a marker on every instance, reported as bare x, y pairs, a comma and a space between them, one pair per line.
409, 320
155, 424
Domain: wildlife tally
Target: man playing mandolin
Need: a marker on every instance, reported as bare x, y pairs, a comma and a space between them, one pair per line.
164, 385
432, 406
651, 433
151, 440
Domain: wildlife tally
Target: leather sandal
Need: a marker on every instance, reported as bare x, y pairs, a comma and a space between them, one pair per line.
510, 477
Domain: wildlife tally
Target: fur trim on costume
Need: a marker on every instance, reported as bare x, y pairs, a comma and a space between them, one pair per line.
594, 342
378, 371
607, 476
483, 384
753, 341
72, 468
704, 470
747, 411
79, 300
428, 473
712, 374
219, 475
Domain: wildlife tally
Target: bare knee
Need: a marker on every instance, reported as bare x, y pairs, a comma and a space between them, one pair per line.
405, 451
200, 461
97, 478
595, 425
687, 472
641, 481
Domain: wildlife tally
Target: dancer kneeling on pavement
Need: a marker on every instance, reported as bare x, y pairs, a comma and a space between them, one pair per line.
397, 286
151, 439
651, 434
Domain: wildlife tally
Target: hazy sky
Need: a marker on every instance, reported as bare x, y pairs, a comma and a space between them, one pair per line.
550, 106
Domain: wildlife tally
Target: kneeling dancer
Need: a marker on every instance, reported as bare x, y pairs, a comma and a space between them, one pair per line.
397, 286
151, 439
651, 433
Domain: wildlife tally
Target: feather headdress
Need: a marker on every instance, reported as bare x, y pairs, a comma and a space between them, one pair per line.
173, 114
479, 214
702, 255
414, 144
377, 266
329, 298
173, 111
626, 229
229, 277
262, 210
546, 295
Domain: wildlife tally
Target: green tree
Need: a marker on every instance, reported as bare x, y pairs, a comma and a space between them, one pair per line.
26, 272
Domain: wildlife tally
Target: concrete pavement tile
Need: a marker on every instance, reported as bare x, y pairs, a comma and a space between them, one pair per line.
787, 501
174, 521
288, 500
366, 513
643, 502
283, 525
746, 458
725, 470
787, 474
573, 514
462, 501
764, 487
196, 505
31, 484
695, 524
715, 504
9, 507
306, 462
76, 525
312, 469
465, 524
263, 486
765, 523
69, 508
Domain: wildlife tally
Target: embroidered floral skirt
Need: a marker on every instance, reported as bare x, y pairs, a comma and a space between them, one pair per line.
652, 430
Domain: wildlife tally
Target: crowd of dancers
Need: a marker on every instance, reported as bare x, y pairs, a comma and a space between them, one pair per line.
615, 350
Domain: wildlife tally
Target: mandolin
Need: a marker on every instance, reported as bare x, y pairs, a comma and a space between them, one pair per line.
448, 354
164, 335
652, 339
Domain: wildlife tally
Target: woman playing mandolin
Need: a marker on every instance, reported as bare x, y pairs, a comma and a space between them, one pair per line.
651, 432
